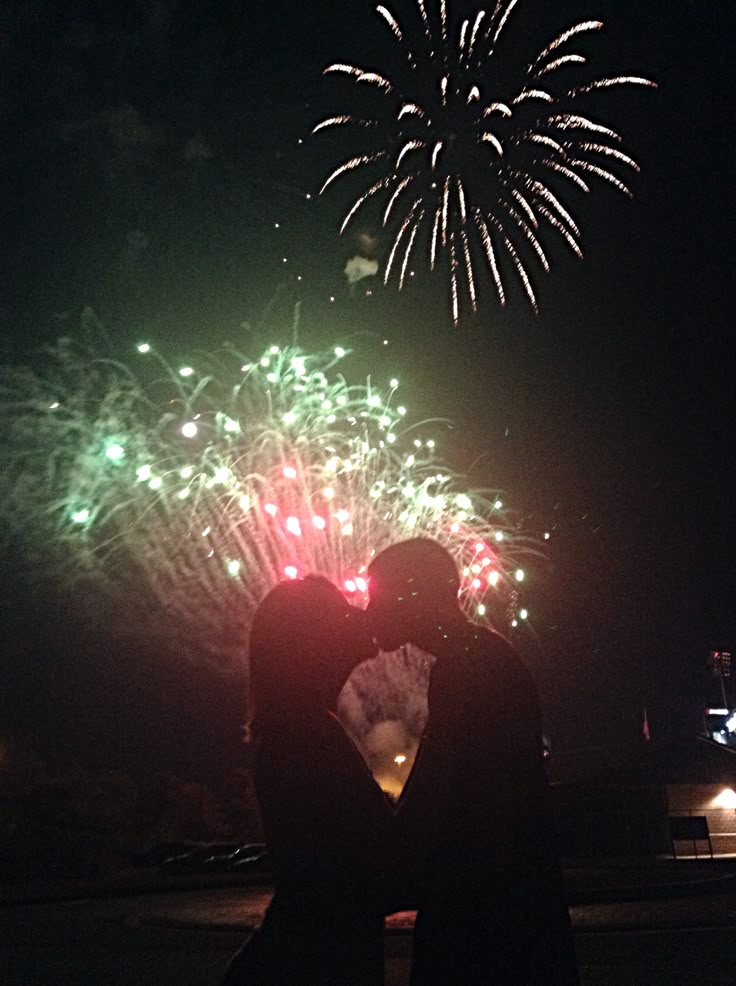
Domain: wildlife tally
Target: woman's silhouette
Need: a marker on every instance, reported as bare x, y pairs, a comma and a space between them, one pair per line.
327, 823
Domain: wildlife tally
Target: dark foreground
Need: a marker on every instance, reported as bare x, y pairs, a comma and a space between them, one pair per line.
185, 938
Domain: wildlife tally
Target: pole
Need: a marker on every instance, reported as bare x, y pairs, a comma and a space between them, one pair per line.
723, 686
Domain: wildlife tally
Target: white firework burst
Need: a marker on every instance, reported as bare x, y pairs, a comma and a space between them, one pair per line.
467, 170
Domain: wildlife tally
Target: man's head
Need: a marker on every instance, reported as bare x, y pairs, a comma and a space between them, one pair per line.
413, 588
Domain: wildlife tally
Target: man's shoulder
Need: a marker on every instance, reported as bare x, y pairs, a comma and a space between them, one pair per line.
486, 654
489, 644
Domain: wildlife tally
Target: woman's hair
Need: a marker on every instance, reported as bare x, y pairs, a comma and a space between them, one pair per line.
300, 632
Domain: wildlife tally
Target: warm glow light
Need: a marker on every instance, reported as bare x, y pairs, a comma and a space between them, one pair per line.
291, 571
400, 758
726, 799
271, 509
289, 472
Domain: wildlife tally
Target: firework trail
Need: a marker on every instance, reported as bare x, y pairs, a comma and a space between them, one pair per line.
465, 171
194, 489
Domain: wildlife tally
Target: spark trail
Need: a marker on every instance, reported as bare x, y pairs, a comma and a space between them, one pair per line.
194, 488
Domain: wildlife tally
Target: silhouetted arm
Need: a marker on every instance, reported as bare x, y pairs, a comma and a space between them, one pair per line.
422, 810
328, 824
539, 887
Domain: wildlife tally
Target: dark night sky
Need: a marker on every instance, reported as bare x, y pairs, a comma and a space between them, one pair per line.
608, 418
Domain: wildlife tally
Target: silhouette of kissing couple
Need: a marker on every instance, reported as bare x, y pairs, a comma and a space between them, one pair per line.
470, 842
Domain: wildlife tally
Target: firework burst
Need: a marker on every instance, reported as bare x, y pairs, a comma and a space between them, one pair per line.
466, 171
197, 488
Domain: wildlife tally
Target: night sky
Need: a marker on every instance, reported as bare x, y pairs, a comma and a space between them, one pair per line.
149, 152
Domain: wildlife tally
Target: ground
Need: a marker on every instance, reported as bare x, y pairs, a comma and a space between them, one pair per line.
682, 936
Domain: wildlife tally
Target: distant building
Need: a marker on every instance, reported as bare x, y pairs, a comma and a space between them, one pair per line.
719, 715
613, 802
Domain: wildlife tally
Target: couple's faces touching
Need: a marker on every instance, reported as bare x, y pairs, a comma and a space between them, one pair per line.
383, 625
308, 628
356, 637
385, 616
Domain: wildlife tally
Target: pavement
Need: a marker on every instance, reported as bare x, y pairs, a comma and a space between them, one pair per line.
613, 895
649, 878
604, 895
654, 922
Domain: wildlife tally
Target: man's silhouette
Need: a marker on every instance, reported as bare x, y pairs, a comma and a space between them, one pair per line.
491, 906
